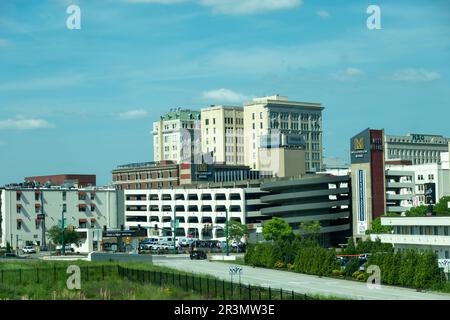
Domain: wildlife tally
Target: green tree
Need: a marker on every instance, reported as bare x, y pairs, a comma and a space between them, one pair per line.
442, 207
310, 230
8, 247
427, 274
419, 211
70, 235
277, 229
237, 231
350, 248
377, 227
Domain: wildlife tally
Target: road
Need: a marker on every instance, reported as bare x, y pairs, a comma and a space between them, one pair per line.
301, 283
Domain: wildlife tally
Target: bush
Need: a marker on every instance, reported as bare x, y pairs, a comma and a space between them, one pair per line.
337, 273
279, 265
290, 266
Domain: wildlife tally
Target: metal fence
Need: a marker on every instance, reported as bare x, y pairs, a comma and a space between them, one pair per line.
45, 275
210, 287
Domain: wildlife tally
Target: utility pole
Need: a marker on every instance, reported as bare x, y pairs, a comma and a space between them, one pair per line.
63, 248
174, 226
226, 231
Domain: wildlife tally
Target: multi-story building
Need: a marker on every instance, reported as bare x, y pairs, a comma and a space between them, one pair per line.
199, 213
418, 233
419, 148
400, 185
28, 213
223, 134
276, 114
146, 175
322, 198
423, 175
176, 136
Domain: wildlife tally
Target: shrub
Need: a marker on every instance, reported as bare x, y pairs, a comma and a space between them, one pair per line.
279, 264
337, 273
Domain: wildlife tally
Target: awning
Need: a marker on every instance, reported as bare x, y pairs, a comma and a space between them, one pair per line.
93, 220
82, 193
82, 220
82, 205
37, 205
18, 205
93, 205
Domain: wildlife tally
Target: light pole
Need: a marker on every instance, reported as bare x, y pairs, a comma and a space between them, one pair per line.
63, 248
174, 226
226, 232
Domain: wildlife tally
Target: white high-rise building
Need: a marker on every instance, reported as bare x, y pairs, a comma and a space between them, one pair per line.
276, 114
176, 136
223, 134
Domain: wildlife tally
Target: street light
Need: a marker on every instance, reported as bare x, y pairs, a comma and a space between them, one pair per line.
63, 248
226, 232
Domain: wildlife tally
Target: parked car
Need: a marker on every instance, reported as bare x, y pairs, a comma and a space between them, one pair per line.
148, 243
67, 248
198, 255
28, 249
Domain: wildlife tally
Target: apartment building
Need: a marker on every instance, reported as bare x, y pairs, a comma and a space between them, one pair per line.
276, 114
176, 136
222, 132
28, 213
418, 148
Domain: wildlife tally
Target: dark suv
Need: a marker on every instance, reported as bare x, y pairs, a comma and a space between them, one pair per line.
198, 255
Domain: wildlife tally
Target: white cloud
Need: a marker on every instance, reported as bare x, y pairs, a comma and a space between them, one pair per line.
133, 114
233, 7
24, 124
238, 7
417, 75
225, 95
323, 14
347, 74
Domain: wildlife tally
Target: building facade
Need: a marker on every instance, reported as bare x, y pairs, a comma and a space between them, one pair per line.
80, 180
432, 233
368, 179
222, 132
276, 114
176, 136
419, 148
28, 213
322, 198
146, 175
199, 213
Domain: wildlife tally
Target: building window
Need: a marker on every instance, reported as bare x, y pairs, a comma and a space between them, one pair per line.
64, 196
19, 208
36, 196
19, 224
64, 208
82, 196
206, 121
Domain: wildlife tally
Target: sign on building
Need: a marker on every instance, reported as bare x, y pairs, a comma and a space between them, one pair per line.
361, 202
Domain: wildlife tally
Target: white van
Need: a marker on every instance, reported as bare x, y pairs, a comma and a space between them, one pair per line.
164, 241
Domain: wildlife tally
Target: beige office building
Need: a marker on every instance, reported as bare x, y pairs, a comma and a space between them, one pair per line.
276, 114
176, 136
222, 132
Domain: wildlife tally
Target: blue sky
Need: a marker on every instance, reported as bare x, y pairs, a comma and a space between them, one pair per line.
83, 101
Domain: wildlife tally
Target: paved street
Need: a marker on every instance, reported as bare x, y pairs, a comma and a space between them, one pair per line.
299, 282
